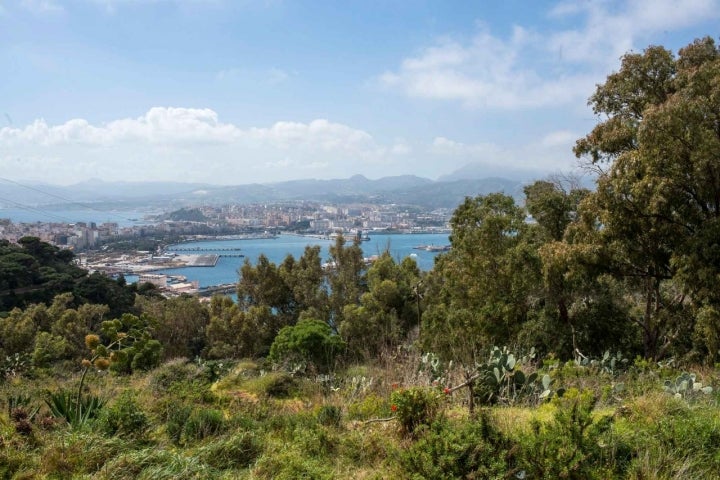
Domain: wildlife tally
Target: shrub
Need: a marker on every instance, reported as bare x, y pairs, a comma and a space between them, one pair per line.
449, 451
281, 385
172, 372
308, 341
48, 348
329, 415
177, 417
570, 445
369, 407
124, 418
365, 447
415, 406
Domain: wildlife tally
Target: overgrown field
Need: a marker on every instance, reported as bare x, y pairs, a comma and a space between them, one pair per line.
407, 416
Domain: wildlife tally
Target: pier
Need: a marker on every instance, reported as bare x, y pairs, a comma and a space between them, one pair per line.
198, 249
203, 260
225, 288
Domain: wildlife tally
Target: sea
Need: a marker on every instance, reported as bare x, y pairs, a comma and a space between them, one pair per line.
276, 249
49, 214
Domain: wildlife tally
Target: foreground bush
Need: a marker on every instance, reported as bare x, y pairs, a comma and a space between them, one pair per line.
415, 406
446, 450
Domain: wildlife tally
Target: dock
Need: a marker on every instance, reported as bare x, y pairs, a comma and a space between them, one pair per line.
198, 249
203, 260
225, 288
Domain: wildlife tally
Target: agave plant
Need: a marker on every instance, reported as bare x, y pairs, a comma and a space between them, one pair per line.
75, 410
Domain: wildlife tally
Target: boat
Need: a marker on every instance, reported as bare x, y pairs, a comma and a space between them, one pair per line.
433, 248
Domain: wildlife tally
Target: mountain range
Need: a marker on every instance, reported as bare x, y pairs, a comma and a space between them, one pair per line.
405, 189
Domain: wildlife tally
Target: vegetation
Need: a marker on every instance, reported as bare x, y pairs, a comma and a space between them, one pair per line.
581, 345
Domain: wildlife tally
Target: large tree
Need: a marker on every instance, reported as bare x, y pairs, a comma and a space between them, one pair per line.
478, 294
656, 208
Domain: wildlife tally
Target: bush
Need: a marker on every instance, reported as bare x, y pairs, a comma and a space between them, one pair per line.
570, 445
308, 341
329, 415
175, 371
281, 385
369, 407
124, 418
177, 417
415, 406
449, 451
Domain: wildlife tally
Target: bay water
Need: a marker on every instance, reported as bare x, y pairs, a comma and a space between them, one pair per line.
276, 249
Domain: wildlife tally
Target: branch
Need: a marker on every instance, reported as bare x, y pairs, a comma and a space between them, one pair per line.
467, 382
376, 420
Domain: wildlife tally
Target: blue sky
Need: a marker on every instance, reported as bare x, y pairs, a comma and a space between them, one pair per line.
241, 91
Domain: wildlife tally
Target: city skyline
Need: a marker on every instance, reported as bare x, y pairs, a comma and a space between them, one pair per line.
236, 92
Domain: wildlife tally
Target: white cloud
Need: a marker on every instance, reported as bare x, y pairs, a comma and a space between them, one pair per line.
547, 154
401, 148
189, 143
559, 138
529, 69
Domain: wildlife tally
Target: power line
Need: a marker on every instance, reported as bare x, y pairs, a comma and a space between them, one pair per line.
36, 210
68, 200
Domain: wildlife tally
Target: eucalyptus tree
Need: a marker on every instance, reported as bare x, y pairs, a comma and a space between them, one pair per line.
655, 212
345, 277
387, 312
480, 293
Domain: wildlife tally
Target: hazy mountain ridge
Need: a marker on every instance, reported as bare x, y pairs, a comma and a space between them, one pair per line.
405, 189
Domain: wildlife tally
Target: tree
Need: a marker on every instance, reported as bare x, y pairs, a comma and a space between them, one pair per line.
656, 209
100, 289
345, 277
236, 333
479, 292
263, 286
306, 280
387, 311
180, 326
577, 310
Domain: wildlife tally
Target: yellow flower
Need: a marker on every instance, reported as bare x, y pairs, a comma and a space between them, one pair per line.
86, 363
102, 363
92, 341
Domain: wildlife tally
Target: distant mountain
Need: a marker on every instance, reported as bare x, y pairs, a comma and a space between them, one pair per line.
480, 171
100, 190
451, 193
404, 189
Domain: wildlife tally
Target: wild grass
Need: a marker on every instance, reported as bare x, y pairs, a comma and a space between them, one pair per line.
176, 421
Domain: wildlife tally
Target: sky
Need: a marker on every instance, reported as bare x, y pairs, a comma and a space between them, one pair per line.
261, 91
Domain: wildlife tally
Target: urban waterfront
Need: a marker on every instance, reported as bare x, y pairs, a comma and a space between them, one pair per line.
276, 249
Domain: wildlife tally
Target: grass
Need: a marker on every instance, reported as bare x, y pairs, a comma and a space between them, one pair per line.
251, 424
